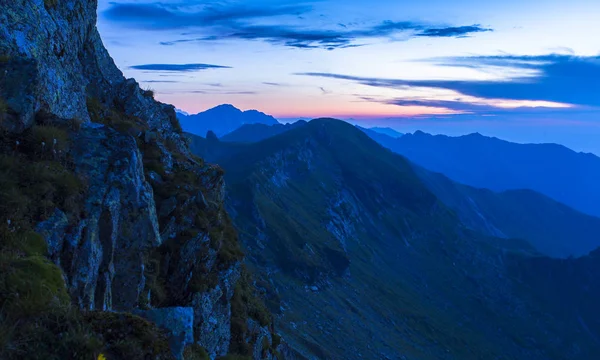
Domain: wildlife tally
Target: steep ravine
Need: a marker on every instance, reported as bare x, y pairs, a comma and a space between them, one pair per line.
113, 238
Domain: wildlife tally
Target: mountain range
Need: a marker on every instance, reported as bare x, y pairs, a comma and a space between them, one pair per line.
485, 162
222, 120
349, 238
490, 163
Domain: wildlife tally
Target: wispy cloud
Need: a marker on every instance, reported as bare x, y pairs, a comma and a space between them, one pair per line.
549, 81
177, 67
273, 83
160, 81
242, 22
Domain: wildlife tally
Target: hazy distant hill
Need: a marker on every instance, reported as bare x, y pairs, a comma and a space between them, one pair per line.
551, 227
222, 120
249, 133
484, 162
387, 131
346, 232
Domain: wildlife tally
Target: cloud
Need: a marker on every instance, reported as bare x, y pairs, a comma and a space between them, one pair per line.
215, 92
177, 67
160, 81
219, 22
160, 16
547, 81
460, 31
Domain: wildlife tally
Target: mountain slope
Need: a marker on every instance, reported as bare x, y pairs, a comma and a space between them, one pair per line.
222, 119
552, 228
361, 260
553, 170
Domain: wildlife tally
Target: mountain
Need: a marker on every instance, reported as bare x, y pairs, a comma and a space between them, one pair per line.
256, 132
484, 162
387, 131
359, 259
114, 239
222, 120
552, 228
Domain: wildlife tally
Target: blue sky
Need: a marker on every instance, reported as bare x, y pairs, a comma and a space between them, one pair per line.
526, 71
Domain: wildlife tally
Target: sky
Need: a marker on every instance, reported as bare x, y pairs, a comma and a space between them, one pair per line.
524, 71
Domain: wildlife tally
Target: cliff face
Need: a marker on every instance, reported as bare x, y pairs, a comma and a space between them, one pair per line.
133, 221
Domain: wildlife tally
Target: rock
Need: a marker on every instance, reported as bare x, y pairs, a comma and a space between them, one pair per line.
201, 200
262, 336
54, 230
211, 136
107, 268
22, 75
212, 314
178, 322
53, 66
167, 207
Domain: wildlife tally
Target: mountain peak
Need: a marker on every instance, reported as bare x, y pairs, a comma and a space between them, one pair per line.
225, 107
223, 119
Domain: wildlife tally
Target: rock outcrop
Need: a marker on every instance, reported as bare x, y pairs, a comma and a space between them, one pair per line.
145, 231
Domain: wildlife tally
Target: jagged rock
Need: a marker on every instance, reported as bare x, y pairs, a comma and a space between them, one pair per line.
212, 314
22, 75
178, 322
107, 268
168, 206
54, 230
263, 340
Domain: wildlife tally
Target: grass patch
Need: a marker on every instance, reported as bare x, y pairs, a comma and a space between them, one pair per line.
126, 336
36, 317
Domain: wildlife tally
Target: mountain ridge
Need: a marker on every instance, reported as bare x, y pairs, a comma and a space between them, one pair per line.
343, 236
223, 119
487, 162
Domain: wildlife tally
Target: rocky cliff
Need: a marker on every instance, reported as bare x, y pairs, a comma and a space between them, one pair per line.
114, 238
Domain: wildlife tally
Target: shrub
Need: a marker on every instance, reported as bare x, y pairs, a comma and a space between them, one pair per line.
46, 138
95, 109
195, 352
127, 336
50, 4
76, 124
148, 92
3, 106
176, 125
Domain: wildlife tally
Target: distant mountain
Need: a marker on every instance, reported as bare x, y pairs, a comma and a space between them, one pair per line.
351, 241
387, 131
383, 139
181, 112
222, 119
552, 228
249, 133
484, 162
